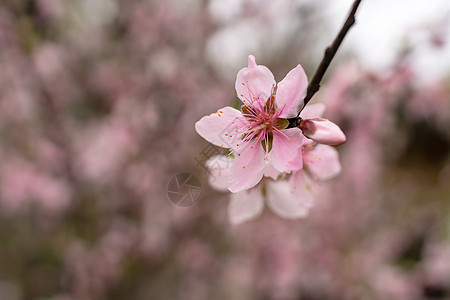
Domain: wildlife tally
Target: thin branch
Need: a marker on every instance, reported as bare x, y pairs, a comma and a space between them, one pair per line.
329, 54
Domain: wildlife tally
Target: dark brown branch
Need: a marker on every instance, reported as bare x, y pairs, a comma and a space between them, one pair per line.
314, 84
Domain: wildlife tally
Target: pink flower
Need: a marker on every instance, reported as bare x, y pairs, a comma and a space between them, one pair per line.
257, 135
289, 198
287, 202
321, 161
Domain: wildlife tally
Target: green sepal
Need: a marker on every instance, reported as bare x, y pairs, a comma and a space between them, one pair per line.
281, 123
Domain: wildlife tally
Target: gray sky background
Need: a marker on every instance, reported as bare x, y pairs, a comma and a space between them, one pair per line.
383, 28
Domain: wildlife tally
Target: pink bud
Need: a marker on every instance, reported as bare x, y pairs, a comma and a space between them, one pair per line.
322, 131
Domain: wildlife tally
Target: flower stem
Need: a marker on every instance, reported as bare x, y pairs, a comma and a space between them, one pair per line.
314, 84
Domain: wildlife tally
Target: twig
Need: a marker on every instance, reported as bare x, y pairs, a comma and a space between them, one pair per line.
314, 84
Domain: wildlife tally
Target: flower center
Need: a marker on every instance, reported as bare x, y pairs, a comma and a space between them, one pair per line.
260, 120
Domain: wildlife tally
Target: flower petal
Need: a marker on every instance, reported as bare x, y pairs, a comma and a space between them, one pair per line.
314, 110
245, 205
218, 128
322, 162
291, 91
219, 171
322, 131
248, 167
301, 187
254, 83
284, 202
270, 171
285, 155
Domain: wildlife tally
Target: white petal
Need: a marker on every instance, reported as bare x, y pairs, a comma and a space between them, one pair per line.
245, 205
219, 171
302, 187
287, 203
270, 171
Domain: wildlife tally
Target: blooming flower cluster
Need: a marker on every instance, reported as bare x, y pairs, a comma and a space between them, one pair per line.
264, 148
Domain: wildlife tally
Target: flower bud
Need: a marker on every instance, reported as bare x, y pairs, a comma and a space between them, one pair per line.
322, 131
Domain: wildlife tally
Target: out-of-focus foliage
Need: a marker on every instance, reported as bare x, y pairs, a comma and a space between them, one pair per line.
98, 101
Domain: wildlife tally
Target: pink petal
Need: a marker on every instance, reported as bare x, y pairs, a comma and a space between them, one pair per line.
254, 83
285, 202
270, 171
323, 162
219, 171
322, 131
307, 142
285, 155
298, 160
248, 167
301, 187
311, 111
218, 128
245, 205
291, 91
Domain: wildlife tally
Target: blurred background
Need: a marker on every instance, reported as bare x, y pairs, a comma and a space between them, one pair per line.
98, 100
